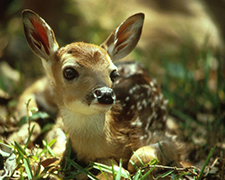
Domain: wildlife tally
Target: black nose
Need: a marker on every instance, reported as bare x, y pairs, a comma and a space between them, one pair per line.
105, 95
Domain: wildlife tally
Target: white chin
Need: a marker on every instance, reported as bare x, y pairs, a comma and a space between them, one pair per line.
101, 108
93, 108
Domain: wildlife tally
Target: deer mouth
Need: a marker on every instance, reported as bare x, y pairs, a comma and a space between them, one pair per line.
100, 107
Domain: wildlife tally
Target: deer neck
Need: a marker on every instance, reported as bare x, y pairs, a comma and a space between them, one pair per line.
83, 125
88, 133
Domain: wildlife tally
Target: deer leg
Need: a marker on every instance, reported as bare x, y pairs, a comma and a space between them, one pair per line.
165, 151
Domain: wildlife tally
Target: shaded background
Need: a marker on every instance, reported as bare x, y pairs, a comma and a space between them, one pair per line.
182, 46
169, 26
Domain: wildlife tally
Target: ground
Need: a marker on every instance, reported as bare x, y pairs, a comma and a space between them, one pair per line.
192, 79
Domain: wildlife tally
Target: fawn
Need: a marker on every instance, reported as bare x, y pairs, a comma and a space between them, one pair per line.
108, 111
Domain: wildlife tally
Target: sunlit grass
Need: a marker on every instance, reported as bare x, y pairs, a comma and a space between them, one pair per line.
194, 90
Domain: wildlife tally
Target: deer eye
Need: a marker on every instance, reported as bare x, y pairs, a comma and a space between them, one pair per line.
114, 74
70, 73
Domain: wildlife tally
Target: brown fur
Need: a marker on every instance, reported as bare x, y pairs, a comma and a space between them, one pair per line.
100, 129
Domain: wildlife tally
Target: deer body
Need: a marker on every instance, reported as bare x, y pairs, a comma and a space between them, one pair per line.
107, 116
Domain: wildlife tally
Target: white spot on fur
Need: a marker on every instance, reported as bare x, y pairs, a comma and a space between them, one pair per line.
138, 103
154, 81
144, 103
132, 107
137, 122
127, 98
163, 107
143, 137
153, 104
139, 108
165, 102
156, 98
154, 89
149, 121
161, 96
152, 84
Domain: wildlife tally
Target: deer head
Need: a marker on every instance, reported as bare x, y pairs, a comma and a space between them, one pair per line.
82, 74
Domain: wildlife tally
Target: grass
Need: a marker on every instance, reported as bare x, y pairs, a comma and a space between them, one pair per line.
194, 102
29, 164
197, 103
193, 82
28, 161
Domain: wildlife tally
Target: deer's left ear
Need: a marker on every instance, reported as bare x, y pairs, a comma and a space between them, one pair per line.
125, 37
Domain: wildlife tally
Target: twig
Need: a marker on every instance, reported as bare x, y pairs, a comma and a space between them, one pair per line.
186, 169
209, 168
28, 115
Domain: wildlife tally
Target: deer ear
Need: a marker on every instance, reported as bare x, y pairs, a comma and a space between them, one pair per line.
39, 35
125, 37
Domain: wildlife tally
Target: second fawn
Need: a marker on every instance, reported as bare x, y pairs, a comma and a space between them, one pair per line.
108, 111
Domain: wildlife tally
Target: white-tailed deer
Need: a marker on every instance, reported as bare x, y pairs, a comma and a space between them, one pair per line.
108, 111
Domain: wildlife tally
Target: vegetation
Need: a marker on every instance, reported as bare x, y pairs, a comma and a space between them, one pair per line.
192, 81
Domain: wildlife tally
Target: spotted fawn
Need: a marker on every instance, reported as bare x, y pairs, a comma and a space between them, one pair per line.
108, 111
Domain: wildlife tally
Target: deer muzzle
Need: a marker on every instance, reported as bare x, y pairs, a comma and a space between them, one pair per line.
104, 95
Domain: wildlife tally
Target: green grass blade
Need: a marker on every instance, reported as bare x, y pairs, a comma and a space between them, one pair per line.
103, 167
153, 162
147, 174
48, 148
51, 142
100, 169
28, 140
194, 172
28, 168
139, 159
165, 174
162, 151
205, 163
37, 172
118, 176
133, 164
113, 171
137, 175
81, 169
20, 149
68, 155
21, 174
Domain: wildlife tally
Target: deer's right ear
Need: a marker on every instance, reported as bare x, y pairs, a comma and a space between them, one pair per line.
39, 35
